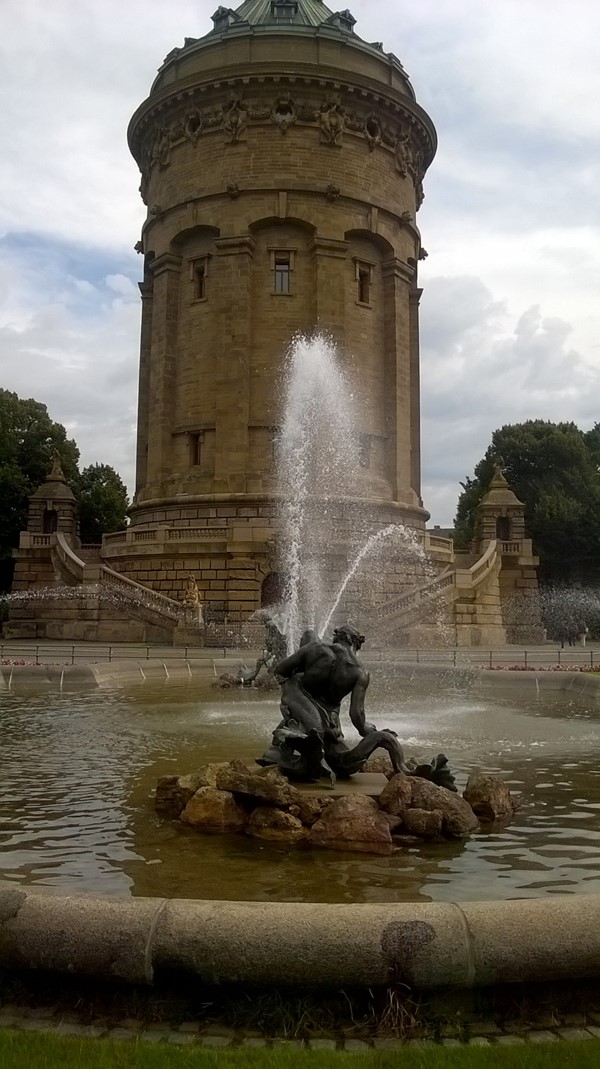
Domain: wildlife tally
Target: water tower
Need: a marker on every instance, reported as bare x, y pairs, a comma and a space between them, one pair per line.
282, 159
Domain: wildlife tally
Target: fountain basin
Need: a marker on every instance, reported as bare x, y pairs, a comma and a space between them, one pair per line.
80, 767
302, 945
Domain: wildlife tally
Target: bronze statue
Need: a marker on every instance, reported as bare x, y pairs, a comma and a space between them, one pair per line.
308, 743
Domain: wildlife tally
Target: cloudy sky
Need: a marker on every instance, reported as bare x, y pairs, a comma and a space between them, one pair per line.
511, 306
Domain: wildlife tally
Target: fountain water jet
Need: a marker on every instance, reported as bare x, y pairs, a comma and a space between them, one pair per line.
319, 478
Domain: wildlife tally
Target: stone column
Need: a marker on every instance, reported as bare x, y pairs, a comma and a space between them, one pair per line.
231, 373
163, 360
415, 392
146, 291
397, 283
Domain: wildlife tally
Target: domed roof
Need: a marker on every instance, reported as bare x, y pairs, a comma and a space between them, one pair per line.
499, 492
282, 13
55, 485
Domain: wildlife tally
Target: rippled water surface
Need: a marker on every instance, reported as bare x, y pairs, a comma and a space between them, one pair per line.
78, 771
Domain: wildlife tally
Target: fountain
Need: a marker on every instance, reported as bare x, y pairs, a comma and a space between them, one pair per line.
318, 479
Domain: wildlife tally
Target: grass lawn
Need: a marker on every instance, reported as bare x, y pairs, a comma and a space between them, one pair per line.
19, 1050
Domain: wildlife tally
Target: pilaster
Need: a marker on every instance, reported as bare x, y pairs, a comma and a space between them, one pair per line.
415, 391
166, 270
146, 291
330, 258
231, 372
398, 279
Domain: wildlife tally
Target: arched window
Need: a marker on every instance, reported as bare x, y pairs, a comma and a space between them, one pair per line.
503, 529
49, 521
272, 590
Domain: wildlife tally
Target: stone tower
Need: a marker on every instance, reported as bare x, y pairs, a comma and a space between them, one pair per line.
282, 160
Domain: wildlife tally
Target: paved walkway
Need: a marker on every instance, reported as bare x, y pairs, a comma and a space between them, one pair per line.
573, 1026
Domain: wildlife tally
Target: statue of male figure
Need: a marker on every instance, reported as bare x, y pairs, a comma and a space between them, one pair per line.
309, 742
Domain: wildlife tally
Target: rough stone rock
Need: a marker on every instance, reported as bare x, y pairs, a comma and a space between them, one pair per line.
275, 825
397, 795
174, 792
458, 819
212, 810
489, 798
265, 784
380, 763
308, 808
394, 823
425, 823
353, 822
227, 680
404, 841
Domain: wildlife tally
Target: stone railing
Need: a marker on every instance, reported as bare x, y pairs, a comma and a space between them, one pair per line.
141, 598
196, 534
452, 583
438, 547
514, 548
124, 541
482, 568
410, 606
71, 568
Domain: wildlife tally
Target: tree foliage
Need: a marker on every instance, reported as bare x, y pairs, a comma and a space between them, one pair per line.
28, 440
102, 497
554, 469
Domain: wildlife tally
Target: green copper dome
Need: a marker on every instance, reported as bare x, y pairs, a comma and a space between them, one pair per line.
282, 13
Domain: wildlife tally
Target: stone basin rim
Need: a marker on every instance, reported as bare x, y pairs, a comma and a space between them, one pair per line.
176, 670
313, 944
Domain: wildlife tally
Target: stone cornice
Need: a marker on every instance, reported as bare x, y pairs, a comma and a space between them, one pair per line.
396, 268
197, 89
165, 262
242, 244
215, 195
335, 107
330, 247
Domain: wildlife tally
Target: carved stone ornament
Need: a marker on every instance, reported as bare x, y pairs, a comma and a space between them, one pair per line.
192, 125
233, 190
403, 152
332, 192
284, 113
423, 254
235, 120
139, 246
161, 153
373, 132
332, 123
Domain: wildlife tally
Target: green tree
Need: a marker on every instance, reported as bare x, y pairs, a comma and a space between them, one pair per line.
593, 441
103, 502
28, 438
554, 469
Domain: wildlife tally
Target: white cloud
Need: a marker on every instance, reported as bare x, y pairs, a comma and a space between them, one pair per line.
509, 313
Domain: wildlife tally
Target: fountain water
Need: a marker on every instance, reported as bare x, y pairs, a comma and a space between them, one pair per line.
319, 477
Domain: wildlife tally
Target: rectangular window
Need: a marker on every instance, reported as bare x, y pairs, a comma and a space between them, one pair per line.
200, 281
284, 9
364, 284
282, 272
195, 449
198, 277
